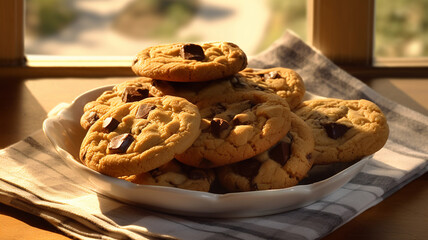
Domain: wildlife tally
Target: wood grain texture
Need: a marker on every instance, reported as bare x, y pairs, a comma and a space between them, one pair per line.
342, 30
12, 33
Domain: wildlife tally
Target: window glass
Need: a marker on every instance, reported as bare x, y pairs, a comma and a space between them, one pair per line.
124, 27
401, 28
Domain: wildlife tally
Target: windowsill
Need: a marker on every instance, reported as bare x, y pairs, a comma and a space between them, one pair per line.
64, 67
391, 68
401, 62
79, 61
125, 61
119, 66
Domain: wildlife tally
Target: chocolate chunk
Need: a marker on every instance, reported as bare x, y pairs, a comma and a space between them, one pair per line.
110, 124
218, 125
251, 104
237, 83
205, 163
260, 88
120, 144
309, 156
254, 187
273, 74
84, 155
248, 168
155, 172
196, 174
92, 117
335, 130
144, 110
236, 121
192, 52
214, 110
135, 61
281, 152
133, 94
218, 108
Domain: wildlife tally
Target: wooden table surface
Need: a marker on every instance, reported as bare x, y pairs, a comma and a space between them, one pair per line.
24, 105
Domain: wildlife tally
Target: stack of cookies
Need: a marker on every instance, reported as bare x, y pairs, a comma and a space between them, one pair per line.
197, 118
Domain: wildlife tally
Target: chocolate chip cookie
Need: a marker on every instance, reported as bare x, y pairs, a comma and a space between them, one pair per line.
186, 62
197, 91
283, 81
140, 136
127, 91
344, 130
283, 165
176, 174
236, 127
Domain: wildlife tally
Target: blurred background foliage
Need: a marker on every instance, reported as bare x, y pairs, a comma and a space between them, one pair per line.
284, 15
401, 28
154, 18
401, 25
48, 17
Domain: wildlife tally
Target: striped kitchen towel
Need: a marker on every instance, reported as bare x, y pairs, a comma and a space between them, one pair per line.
34, 179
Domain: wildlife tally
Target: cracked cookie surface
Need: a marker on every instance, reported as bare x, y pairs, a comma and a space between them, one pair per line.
140, 136
236, 127
197, 91
283, 165
344, 130
183, 62
283, 81
127, 91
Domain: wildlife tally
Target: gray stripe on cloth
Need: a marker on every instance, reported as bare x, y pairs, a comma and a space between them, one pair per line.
348, 208
187, 227
381, 165
67, 225
405, 182
291, 229
235, 229
399, 148
126, 214
69, 217
37, 145
19, 155
245, 231
319, 221
366, 179
25, 154
316, 220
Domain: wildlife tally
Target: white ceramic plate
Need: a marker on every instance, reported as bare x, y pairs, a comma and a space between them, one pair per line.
62, 127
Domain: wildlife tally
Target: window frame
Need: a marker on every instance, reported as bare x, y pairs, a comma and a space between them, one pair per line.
344, 37
12, 29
